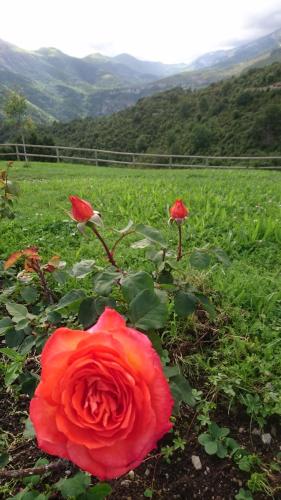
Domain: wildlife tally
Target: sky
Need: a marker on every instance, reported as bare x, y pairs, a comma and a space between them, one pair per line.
171, 31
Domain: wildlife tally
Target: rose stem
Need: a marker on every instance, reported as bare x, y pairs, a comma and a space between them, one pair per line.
44, 285
118, 241
179, 256
108, 252
31, 471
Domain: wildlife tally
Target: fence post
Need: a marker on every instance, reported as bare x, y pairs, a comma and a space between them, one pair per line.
170, 162
207, 162
17, 153
58, 154
96, 158
134, 160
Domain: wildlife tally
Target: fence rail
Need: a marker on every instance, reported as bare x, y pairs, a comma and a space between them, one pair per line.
28, 152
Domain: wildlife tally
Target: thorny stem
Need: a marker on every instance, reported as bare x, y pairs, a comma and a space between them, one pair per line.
44, 285
47, 292
107, 251
33, 470
179, 256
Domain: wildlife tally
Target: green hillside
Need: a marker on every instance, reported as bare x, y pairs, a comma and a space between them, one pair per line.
237, 116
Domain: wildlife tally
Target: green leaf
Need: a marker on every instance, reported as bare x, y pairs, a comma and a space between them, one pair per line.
12, 188
204, 438
27, 344
17, 311
14, 338
22, 324
87, 314
152, 234
126, 229
4, 459
71, 300
12, 372
149, 310
134, 283
185, 303
221, 451
60, 276
243, 495
29, 432
221, 256
141, 244
148, 493
5, 324
82, 268
73, 486
207, 304
156, 342
29, 294
103, 302
12, 354
200, 259
104, 281
98, 492
182, 390
28, 383
211, 447
54, 317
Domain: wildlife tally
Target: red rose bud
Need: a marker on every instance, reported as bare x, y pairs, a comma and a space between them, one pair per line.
81, 210
178, 211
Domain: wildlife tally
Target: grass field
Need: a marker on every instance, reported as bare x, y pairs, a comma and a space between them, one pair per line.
238, 211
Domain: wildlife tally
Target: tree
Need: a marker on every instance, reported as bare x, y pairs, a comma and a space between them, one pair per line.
16, 113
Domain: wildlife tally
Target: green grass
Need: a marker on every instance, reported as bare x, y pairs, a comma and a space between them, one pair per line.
238, 211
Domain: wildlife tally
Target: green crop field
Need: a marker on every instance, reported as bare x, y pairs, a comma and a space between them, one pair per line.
238, 211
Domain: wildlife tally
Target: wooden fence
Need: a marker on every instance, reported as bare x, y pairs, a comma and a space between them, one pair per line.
37, 152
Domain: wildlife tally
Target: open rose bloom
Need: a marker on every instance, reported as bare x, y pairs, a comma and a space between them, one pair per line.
103, 401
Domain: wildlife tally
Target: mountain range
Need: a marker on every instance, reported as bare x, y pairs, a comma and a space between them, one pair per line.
59, 87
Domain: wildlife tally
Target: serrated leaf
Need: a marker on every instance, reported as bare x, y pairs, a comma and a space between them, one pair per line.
103, 302
5, 324
207, 304
200, 259
141, 244
29, 294
98, 492
126, 229
82, 268
149, 310
71, 300
182, 390
151, 234
17, 311
134, 283
104, 281
29, 432
12, 188
221, 256
87, 314
185, 303
14, 338
73, 486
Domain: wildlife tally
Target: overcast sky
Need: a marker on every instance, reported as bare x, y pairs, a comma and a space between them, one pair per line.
165, 30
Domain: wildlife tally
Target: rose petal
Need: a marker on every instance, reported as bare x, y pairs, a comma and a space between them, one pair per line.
48, 436
62, 340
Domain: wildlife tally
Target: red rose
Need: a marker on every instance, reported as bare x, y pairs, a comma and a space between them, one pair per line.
81, 210
103, 401
178, 211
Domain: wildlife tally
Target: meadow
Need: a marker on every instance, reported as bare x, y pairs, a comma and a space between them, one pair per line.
235, 370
